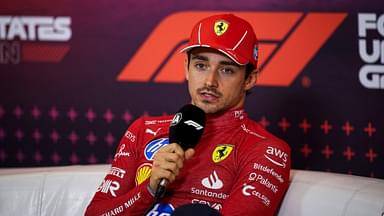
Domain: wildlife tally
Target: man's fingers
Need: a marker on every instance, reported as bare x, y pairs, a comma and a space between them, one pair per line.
167, 163
164, 158
161, 174
167, 174
189, 153
175, 158
173, 148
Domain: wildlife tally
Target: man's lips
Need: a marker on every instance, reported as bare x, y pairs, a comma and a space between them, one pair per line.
209, 95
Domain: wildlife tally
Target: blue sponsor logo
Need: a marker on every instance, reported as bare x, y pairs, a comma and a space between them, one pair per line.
154, 146
161, 209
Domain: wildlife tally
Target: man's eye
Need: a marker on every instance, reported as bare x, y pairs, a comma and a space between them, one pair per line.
200, 66
227, 71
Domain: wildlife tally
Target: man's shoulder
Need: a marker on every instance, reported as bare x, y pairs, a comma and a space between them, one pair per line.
146, 128
262, 145
263, 136
146, 121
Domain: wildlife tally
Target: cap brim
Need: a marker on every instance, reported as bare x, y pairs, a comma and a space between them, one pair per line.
236, 58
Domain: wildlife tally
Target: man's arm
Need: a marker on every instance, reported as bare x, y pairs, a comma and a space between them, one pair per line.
262, 180
118, 194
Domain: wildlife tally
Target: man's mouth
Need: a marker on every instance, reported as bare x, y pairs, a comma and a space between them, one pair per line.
208, 95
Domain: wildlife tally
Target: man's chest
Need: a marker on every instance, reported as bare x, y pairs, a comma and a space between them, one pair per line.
209, 175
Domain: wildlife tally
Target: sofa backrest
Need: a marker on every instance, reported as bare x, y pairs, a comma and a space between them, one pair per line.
68, 190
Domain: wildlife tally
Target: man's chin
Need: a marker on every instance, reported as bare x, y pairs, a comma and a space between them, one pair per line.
208, 108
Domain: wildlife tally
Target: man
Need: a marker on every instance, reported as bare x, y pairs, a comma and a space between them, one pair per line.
237, 168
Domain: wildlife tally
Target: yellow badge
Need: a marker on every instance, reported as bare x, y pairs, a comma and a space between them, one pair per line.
220, 27
221, 152
143, 173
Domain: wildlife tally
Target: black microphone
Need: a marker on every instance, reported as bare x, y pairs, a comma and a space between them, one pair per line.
186, 129
193, 209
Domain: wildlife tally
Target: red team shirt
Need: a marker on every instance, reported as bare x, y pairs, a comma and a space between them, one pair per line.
238, 168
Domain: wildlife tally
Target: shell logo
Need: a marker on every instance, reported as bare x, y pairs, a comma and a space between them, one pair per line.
143, 173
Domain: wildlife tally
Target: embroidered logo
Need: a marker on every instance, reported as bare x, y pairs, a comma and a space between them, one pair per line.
143, 173
221, 152
220, 27
213, 181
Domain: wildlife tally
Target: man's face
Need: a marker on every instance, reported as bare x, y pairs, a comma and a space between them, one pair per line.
215, 82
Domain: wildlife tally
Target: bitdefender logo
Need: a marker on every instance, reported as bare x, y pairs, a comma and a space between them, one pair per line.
34, 38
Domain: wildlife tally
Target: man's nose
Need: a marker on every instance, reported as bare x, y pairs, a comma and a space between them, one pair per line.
211, 78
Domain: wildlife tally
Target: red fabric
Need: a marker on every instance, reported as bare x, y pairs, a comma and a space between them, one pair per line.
250, 180
229, 34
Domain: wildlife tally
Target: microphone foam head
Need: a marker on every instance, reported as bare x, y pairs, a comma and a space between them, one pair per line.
187, 126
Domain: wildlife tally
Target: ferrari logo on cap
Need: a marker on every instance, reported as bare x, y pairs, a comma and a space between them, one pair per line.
221, 152
220, 27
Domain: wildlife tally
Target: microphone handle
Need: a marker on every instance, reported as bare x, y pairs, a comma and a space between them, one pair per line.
161, 188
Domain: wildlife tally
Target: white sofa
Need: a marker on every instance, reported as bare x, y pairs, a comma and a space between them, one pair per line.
67, 191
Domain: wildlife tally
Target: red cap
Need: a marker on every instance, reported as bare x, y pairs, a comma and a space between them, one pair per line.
227, 33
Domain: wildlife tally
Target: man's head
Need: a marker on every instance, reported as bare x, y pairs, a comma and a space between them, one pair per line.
221, 62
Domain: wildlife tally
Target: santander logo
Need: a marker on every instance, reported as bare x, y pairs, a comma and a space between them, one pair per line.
213, 181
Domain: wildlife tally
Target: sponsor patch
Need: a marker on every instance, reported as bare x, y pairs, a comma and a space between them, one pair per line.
152, 122
211, 204
154, 146
239, 114
143, 173
212, 181
150, 131
276, 156
109, 186
268, 170
115, 171
163, 209
249, 190
130, 136
221, 152
251, 132
176, 119
121, 152
220, 27
207, 193
263, 181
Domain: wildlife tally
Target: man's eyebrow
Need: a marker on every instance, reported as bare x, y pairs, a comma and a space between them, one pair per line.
199, 57
204, 58
231, 63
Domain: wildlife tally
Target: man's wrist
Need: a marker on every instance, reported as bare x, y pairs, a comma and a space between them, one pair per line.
150, 190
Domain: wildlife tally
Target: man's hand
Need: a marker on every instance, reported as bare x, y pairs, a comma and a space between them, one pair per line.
167, 163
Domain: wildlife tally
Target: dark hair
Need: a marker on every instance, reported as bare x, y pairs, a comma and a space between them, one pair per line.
248, 69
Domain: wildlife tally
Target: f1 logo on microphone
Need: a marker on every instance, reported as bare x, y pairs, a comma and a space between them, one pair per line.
194, 124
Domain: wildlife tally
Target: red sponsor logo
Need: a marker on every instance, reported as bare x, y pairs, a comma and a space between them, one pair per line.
287, 40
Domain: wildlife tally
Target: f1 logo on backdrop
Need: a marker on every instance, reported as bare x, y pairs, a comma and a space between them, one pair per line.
287, 40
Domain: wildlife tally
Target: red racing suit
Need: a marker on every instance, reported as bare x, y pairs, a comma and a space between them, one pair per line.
238, 168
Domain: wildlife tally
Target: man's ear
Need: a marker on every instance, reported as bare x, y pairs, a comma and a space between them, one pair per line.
186, 60
251, 80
